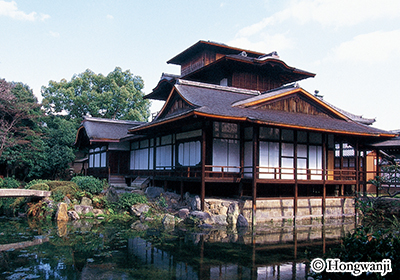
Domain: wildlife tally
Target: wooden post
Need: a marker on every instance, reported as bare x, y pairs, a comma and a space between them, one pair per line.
324, 174
296, 184
181, 190
377, 170
242, 141
203, 168
154, 161
357, 163
255, 165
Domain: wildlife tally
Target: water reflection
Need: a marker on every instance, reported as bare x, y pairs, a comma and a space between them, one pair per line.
92, 250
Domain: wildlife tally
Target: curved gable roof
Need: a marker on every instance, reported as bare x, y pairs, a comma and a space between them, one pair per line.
221, 103
102, 130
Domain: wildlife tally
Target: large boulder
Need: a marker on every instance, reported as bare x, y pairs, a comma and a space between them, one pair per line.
183, 213
73, 215
86, 201
232, 214
196, 203
242, 222
62, 212
168, 221
138, 226
139, 209
220, 220
154, 192
83, 209
198, 218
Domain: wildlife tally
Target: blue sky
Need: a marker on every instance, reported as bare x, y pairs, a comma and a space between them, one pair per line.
352, 45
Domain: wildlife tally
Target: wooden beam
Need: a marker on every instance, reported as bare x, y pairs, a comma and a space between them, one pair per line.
203, 167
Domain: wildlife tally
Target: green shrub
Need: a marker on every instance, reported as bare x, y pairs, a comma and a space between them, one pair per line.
128, 199
60, 189
90, 184
36, 181
9, 183
40, 187
365, 245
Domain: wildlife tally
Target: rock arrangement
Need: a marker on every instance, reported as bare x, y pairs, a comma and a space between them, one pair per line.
173, 210
217, 213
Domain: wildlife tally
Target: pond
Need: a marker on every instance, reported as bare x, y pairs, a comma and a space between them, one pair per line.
92, 249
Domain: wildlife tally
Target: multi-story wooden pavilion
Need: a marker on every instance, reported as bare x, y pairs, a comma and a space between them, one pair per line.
236, 123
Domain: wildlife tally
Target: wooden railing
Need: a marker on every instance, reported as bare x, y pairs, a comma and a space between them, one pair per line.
267, 173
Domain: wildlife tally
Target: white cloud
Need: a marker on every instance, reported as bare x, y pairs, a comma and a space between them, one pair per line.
110, 17
266, 43
372, 47
10, 9
335, 13
54, 34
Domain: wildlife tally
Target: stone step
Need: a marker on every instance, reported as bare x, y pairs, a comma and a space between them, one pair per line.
140, 182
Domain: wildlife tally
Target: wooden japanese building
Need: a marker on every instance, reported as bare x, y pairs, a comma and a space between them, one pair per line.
236, 123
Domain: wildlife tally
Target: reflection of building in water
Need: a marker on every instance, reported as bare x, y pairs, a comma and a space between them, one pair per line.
150, 255
273, 252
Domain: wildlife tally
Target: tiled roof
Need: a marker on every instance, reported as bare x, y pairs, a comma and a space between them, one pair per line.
217, 102
99, 129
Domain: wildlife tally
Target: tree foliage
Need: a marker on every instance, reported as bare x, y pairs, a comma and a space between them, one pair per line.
18, 111
116, 96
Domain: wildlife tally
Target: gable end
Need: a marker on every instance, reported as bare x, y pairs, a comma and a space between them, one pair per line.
174, 105
295, 103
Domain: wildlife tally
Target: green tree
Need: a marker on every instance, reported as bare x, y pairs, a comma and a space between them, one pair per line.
59, 151
19, 129
116, 96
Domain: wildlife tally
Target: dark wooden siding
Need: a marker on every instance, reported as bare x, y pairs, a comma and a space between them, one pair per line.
254, 81
294, 104
119, 162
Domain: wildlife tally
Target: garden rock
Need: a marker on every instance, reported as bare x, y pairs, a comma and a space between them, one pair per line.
98, 212
73, 215
67, 200
82, 209
232, 214
220, 220
86, 201
168, 221
62, 212
139, 209
196, 203
198, 218
154, 192
183, 213
241, 221
139, 226
112, 195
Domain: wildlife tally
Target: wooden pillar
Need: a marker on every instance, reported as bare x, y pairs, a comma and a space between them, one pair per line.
154, 161
377, 170
296, 185
242, 155
324, 174
203, 167
357, 163
255, 173
181, 185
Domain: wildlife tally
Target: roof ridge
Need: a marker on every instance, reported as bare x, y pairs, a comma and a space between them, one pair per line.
218, 87
105, 120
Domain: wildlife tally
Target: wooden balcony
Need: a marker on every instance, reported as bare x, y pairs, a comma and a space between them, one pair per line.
234, 174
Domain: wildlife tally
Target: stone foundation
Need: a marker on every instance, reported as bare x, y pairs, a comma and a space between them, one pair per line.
282, 209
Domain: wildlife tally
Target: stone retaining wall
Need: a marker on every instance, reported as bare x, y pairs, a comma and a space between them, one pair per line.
278, 209
282, 209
